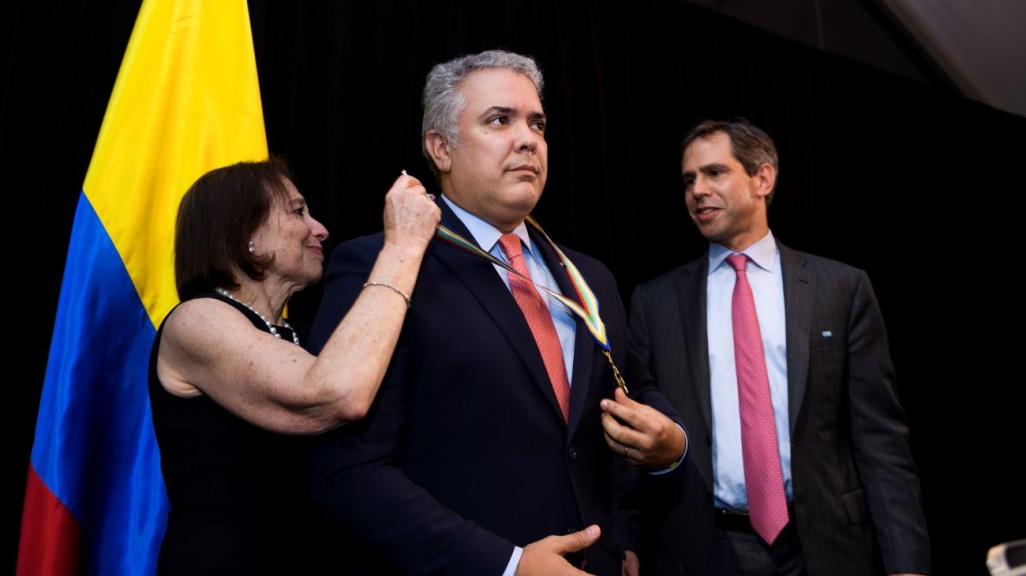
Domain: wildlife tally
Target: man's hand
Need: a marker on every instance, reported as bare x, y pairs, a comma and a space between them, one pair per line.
545, 556
631, 565
640, 433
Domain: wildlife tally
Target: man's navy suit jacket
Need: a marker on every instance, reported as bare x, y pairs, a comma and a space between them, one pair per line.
464, 453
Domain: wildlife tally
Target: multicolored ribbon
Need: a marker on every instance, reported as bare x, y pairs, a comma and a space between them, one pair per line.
587, 310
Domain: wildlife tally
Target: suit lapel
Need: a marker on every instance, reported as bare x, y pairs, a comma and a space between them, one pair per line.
799, 292
487, 287
691, 295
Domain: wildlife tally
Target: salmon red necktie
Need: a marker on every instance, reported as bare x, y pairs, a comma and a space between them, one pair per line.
767, 504
539, 319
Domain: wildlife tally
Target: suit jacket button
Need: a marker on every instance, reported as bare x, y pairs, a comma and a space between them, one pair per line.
572, 453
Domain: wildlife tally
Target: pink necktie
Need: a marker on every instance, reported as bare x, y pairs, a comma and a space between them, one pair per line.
767, 504
539, 319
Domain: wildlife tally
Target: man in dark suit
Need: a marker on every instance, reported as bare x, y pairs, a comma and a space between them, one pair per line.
837, 435
486, 453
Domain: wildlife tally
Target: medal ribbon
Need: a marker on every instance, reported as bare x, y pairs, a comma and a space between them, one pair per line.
587, 311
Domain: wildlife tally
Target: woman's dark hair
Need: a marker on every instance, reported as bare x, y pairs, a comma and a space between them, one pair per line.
217, 218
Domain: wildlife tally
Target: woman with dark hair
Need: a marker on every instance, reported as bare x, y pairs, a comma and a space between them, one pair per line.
229, 380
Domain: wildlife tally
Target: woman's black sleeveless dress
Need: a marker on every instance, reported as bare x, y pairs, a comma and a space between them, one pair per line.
238, 497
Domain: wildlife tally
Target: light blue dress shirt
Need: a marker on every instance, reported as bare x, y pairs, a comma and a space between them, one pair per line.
766, 280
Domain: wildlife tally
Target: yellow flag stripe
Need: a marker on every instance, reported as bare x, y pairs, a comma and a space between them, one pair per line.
187, 100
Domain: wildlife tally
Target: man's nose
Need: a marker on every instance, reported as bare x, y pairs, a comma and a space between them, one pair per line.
699, 187
527, 137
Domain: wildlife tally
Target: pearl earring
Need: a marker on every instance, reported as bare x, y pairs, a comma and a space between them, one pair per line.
252, 248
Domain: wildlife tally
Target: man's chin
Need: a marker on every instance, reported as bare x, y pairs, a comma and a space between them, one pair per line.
706, 229
521, 199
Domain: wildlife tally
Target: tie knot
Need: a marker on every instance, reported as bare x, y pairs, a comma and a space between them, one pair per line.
510, 244
737, 262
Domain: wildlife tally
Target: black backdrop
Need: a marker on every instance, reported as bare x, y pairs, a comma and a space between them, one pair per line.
896, 176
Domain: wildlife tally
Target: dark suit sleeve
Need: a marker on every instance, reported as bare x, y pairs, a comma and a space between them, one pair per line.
880, 439
629, 495
357, 481
639, 349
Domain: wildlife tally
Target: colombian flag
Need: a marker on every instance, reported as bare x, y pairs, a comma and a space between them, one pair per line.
186, 101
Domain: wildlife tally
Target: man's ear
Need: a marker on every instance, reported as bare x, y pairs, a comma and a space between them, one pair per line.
765, 180
438, 149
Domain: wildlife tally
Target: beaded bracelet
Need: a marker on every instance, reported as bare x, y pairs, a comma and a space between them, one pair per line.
387, 285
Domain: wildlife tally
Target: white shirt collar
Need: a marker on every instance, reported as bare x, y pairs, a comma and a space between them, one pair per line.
484, 233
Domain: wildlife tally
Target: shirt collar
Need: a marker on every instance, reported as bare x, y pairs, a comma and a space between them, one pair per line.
484, 233
763, 253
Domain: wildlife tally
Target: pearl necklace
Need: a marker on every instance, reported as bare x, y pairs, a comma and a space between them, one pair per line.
228, 295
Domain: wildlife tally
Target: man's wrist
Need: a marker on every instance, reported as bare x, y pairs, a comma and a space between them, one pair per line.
673, 465
514, 561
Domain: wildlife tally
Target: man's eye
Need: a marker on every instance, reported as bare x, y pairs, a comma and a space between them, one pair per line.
539, 126
498, 120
